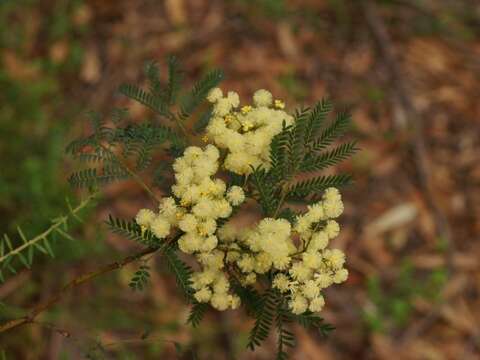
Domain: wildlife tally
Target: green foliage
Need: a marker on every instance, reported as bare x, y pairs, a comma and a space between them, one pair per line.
203, 120
174, 81
311, 321
317, 118
20, 254
117, 152
200, 90
329, 158
131, 230
34, 114
270, 311
301, 149
266, 193
315, 185
181, 271
285, 337
249, 296
197, 313
265, 313
391, 306
143, 97
140, 278
332, 132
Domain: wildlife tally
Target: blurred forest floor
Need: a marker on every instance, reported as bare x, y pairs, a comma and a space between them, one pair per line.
409, 70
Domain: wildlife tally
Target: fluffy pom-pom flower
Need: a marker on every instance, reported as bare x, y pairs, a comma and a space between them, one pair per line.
214, 95
145, 217
160, 227
235, 195
262, 97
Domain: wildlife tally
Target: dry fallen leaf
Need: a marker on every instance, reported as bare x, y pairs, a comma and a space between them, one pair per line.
395, 217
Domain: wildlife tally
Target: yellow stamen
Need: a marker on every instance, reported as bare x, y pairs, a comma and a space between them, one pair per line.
246, 109
279, 104
247, 125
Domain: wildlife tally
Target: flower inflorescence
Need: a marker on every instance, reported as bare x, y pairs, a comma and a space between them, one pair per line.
293, 254
247, 132
257, 156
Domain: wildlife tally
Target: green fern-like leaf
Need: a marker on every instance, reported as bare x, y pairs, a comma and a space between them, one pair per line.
203, 120
332, 132
153, 102
84, 178
288, 214
197, 313
297, 142
317, 118
199, 92
330, 158
285, 338
266, 191
264, 319
310, 320
248, 295
132, 231
111, 172
152, 72
95, 157
182, 272
174, 81
317, 184
76, 146
118, 115
140, 278
278, 153
20, 253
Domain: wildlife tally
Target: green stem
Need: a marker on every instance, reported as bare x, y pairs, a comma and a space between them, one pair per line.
133, 174
54, 227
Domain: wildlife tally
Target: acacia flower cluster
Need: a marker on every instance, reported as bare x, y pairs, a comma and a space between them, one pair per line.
246, 132
301, 268
295, 255
199, 202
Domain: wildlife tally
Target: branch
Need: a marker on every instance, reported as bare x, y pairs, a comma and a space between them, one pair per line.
57, 223
79, 280
133, 174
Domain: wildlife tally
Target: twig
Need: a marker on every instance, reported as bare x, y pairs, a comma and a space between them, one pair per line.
62, 332
79, 280
283, 195
54, 227
133, 174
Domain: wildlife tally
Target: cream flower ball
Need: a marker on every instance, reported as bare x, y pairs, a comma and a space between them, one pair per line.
235, 195
262, 97
145, 217
298, 304
317, 304
160, 227
214, 95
